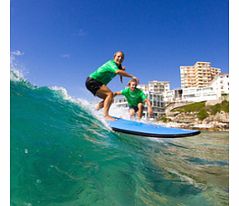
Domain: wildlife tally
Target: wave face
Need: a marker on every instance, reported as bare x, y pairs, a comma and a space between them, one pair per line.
61, 154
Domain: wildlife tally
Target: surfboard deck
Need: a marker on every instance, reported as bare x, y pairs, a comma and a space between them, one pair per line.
149, 130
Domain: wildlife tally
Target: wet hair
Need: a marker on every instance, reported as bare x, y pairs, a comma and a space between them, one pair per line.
118, 52
133, 80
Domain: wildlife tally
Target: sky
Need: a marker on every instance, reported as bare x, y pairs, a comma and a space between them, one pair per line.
59, 43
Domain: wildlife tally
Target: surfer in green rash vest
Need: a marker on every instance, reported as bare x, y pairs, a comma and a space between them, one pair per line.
97, 81
136, 99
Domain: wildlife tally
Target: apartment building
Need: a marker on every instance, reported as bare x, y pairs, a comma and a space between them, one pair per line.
158, 86
221, 84
155, 86
174, 95
196, 94
214, 91
199, 75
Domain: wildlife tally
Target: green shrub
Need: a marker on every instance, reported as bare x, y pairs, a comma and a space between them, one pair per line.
202, 114
224, 106
194, 107
202, 110
215, 108
164, 119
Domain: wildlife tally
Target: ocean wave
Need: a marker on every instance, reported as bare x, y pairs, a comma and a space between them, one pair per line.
16, 75
63, 152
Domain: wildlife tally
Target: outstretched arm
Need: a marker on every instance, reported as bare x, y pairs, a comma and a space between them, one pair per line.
125, 74
150, 110
117, 93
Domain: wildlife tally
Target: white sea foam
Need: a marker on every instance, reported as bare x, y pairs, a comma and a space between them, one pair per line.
88, 106
16, 69
121, 112
64, 93
16, 75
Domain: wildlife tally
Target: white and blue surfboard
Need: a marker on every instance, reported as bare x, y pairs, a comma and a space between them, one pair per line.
149, 130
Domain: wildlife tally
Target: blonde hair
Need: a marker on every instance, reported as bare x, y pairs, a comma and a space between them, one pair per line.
119, 52
133, 80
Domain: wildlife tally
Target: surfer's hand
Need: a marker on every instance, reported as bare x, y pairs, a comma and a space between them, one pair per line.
123, 68
116, 93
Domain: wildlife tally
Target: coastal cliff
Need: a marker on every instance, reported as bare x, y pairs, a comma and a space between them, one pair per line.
200, 115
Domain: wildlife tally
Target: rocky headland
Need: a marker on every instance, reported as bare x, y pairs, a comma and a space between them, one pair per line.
201, 115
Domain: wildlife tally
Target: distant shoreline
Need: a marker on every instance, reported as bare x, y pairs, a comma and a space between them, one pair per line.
203, 127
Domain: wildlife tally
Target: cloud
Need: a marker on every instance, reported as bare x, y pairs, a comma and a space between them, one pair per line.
81, 33
17, 53
65, 56
14, 64
13, 55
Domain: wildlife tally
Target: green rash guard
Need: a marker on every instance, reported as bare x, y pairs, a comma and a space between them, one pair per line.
106, 72
134, 97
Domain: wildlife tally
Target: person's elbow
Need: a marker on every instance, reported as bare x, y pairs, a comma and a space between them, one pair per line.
118, 71
121, 72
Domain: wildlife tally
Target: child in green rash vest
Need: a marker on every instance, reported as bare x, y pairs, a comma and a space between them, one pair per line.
97, 81
136, 99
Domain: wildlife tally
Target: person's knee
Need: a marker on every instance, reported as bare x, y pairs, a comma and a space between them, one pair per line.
140, 106
131, 112
110, 95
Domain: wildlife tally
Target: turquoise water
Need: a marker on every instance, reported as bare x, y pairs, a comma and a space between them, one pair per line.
61, 154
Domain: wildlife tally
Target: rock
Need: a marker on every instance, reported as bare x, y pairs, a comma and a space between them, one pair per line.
219, 121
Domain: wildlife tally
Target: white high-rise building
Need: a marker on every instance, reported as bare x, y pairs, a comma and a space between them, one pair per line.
214, 91
221, 84
199, 75
217, 88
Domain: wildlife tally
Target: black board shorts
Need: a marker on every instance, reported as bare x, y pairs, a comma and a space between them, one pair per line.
135, 108
93, 85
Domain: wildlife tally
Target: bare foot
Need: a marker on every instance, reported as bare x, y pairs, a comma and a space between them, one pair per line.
110, 118
99, 106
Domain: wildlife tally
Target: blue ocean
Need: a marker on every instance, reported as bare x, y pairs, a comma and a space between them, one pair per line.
62, 154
